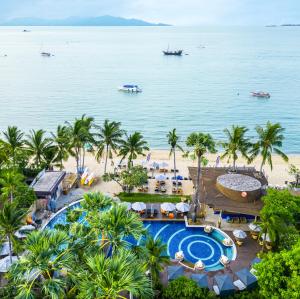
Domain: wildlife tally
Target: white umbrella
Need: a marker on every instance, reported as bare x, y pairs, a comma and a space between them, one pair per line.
126, 204
144, 163
167, 206
182, 207
5, 263
254, 227
5, 249
160, 177
138, 206
199, 265
179, 256
20, 235
26, 228
265, 237
163, 165
154, 164
240, 234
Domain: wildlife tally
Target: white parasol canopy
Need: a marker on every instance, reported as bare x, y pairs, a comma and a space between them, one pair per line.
240, 234
154, 164
161, 177
4, 249
167, 206
254, 227
182, 207
199, 265
126, 204
5, 263
265, 237
138, 206
163, 165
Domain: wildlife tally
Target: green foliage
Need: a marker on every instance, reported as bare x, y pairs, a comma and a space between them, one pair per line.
295, 171
151, 198
185, 288
279, 273
253, 294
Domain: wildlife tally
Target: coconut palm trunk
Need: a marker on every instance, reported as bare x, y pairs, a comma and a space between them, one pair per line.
197, 198
174, 158
106, 157
10, 249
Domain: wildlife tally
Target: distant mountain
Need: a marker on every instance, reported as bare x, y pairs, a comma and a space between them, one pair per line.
80, 21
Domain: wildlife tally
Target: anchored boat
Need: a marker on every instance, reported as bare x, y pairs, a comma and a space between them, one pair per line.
260, 94
130, 88
46, 54
173, 53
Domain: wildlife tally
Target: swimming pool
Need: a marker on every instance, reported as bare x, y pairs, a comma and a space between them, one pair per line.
193, 241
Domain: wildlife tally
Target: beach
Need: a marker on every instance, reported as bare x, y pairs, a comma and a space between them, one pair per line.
277, 176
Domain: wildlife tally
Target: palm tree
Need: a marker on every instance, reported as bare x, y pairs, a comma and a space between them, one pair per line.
117, 223
80, 135
236, 142
202, 143
270, 140
37, 144
173, 142
155, 257
133, 146
10, 180
11, 219
95, 201
109, 139
60, 139
41, 271
14, 141
109, 278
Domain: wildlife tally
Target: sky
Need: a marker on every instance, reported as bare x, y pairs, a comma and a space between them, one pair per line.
176, 12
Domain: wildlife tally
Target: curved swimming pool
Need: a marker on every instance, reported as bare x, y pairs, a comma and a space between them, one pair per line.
193, 241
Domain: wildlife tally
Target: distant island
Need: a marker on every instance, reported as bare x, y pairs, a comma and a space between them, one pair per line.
290, 25
80, 21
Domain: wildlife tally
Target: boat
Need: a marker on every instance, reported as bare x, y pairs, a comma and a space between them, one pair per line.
260, 94
173, 53
46, 54
130, 88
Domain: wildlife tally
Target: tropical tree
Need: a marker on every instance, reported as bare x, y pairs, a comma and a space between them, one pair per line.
61, 141
10, 180
80, 136
37, 144
236, 142
133, 146
295, 171
173, 139
201, 143
110, 278
109, 138
95, 201
155, 257
41, 272
11, 219
270, 140
14, 141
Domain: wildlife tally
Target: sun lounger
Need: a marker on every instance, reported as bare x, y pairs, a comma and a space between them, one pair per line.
243, 219
216, 290
236, 220
239, 285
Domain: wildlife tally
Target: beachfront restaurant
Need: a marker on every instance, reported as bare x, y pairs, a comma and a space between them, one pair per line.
48, 188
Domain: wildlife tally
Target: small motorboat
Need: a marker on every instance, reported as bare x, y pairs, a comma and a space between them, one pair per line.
260, 94
173, 53
46, 54
130, 88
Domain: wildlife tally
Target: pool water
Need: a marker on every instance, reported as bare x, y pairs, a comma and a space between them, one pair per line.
194, 242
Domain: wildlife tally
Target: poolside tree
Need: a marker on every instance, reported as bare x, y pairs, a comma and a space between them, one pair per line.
155, 257
133, 146
37, 144
173, 140
236, 142
270, 140
109, 137
42, 271
295, 171
80, 136
10, 180
14, 142
111, 278
61, 141
11, 219
201, 144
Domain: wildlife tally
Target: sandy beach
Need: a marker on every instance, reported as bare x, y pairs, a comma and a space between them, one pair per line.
277, 176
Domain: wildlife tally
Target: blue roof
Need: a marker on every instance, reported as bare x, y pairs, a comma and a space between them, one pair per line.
175, 272
246, 277
255, 261
201, 280
225, 284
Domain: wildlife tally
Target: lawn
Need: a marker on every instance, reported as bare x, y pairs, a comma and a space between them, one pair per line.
153, 198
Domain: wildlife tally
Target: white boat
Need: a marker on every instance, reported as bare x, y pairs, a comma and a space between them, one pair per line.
46, 54
130, 88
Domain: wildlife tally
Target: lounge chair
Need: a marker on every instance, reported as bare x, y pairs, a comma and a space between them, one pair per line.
239, 285
216, 290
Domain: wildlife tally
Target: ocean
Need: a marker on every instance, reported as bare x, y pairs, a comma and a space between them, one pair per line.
207, 89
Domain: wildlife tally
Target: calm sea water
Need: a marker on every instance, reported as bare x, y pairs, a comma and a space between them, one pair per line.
206, 90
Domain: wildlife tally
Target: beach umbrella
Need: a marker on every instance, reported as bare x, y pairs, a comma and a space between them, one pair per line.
163, 165
255, 261
5, 263
254, 227
201, 280
138, 206
180, 177
154, 165
247, 278
175, 272
4, 249
160, 177
182, 207
199, 265
144, 163
167, 206
224, 284
126, 204
239, 234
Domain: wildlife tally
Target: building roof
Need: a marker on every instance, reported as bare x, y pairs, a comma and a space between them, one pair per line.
211, 196
46, 182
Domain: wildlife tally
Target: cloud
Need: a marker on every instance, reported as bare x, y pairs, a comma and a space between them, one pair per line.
181, 12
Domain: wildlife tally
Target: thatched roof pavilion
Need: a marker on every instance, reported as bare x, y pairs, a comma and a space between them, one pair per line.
211, 195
